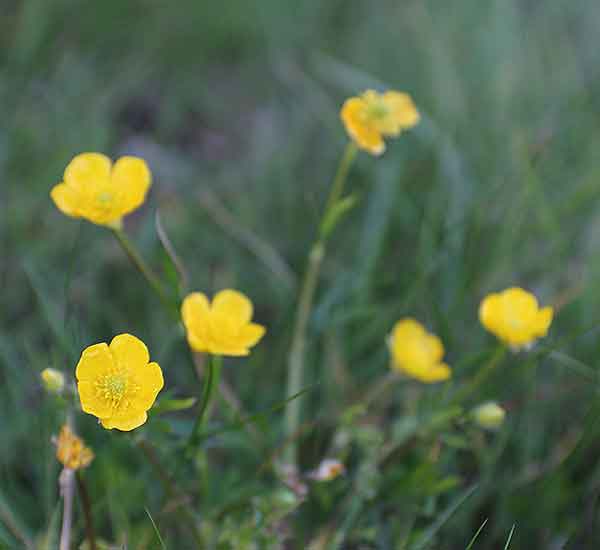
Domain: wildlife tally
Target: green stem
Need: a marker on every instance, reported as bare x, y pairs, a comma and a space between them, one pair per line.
87, 511
339, 181
481, 376
211, 382
307, 293
143, 268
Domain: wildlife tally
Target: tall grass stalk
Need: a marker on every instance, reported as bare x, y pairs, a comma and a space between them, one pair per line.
305, 303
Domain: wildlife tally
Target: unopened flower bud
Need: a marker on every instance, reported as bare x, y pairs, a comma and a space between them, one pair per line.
54, 380
489, 415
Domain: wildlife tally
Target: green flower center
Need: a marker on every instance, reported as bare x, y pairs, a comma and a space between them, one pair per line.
112, 387
104, 197
377, 110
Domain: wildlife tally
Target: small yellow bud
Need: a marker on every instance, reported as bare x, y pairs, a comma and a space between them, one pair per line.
54, 380
489, 415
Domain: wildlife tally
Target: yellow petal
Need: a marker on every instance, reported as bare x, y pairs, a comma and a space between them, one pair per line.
437, 373
125, 423
195, 312
435, 348
66, 199
95, 361
217, 348
195, 306
490, 311
362, 133
88, 170
543, 321
233, 305
402, 111
91, 403
251, 334
150, 381
131, 179
129, 351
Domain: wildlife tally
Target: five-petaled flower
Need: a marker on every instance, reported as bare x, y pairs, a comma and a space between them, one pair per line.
372, 116
515, 317
417, 353
100, 192
117, 383
222, 327
70, 450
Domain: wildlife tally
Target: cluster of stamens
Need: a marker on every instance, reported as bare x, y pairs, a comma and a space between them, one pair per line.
113, 386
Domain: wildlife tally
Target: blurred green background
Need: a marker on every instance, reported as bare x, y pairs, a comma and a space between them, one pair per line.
234, 105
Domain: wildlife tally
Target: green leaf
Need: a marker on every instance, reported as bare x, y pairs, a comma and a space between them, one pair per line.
429, 534
172, 405
477, 534
336, 213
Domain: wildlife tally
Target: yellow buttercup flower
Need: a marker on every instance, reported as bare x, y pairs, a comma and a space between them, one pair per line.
372, 116
100, 192
515, 317
417, 353
117, 383
222, 327
70, 450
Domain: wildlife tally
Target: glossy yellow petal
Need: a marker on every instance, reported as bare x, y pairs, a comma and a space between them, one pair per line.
543, 321
149, 379
436, 373
402, 113
66, 199
251, 334
358, 127
417, 353
514, 317
129, 352
233, 305
195, 312
217, 348
92, 402
95, 361
125, 423
131, 180
88, 171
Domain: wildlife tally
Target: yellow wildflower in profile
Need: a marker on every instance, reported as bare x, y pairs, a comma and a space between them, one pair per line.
222, 327
100, 192
117, 383
54, 380
70, 450
515, 317
417, 353
372, 116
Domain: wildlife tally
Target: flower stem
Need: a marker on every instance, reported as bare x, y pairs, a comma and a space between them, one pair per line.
67, 489
87, 511
143, 268
211, 382
481, 376
305, 303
